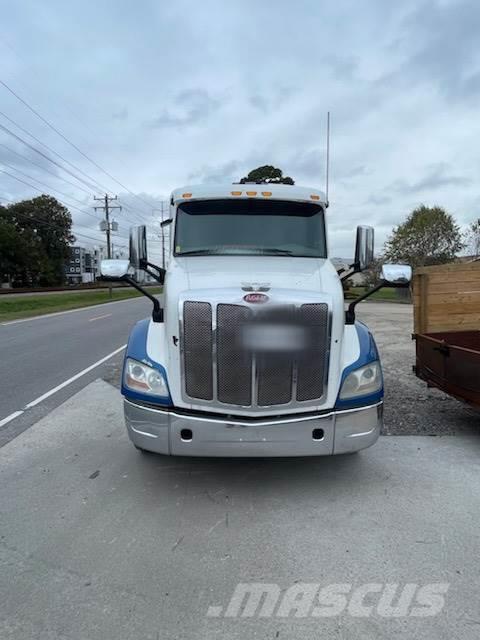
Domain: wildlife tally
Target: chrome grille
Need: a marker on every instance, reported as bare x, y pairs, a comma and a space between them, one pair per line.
274, 374
198, 342
311, 365
217, 368
234, 364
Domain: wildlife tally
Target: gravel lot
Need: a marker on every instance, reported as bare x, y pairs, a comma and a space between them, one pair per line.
410, 406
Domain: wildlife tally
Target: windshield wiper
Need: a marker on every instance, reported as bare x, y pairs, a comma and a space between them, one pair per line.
198, 252
256, 252
277, 252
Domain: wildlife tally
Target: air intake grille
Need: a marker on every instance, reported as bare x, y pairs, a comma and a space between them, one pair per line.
234, 363
197, 340
217, 367
311, 364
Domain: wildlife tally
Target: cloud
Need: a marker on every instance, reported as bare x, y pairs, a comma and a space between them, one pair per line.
440, 43
436, 177
204, 93
267, 100
121, 114
376, 199
229, 172
190, 107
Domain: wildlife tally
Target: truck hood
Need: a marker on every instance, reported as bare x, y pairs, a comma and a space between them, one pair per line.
221, 278
204, 272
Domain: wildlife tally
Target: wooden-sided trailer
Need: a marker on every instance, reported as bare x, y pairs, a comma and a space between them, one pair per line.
447, 328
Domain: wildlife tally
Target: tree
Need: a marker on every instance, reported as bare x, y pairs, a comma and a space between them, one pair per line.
12, 253
35, 239
428, 236
473, 237
267, 174
371, 276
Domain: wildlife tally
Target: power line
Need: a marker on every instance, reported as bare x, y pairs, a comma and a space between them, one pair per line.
17, 137
57, 164
53, 226
64, 195
68, 204
39, 166
64, 203
73, 145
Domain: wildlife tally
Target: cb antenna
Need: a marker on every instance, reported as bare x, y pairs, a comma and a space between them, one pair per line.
327, 169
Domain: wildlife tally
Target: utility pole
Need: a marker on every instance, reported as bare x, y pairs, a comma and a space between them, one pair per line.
106, 225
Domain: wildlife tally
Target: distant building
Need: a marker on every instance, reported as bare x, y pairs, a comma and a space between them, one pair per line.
83, 265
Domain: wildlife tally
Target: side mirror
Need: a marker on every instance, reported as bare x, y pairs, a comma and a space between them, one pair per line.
397, 275
114, 269
364, 247
138, 247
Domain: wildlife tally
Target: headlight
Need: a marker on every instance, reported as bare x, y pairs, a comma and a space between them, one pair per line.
362, 381
141, 377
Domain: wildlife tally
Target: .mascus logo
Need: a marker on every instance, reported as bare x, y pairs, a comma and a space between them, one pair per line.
256, 298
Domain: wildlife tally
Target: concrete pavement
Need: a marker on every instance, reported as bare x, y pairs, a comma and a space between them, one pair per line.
98, 541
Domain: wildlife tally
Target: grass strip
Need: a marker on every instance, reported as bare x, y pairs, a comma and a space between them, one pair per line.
25, 307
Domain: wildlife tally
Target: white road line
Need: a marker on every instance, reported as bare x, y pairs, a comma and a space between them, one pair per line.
73, 378
11, 417
61, 313
107, 315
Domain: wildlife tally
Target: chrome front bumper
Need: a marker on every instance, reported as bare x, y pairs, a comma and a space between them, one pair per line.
172, 433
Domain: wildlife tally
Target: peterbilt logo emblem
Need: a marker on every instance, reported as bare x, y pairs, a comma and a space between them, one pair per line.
256, 298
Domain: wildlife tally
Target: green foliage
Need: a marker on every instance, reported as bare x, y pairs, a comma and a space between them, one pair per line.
428, 236
267, 174
35, 236
371, 276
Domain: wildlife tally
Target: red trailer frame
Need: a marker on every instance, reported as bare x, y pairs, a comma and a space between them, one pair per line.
451, 362
447, 328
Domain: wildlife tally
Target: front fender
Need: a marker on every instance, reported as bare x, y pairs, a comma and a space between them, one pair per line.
368, 353
137, 350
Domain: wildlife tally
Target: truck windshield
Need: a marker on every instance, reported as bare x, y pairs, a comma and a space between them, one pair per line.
250, 227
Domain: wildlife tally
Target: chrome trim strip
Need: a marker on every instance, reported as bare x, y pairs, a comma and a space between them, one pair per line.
298, 417
143, 433
364, 433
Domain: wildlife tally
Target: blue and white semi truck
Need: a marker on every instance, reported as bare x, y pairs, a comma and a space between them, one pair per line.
250, 350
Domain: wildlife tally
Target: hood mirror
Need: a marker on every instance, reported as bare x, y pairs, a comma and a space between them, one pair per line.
138, 247
114, 269
397, 274
364, 247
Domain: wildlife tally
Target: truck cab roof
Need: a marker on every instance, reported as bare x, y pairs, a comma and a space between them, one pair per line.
248, 190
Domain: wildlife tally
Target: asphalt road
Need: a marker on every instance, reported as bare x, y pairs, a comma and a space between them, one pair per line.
39, 354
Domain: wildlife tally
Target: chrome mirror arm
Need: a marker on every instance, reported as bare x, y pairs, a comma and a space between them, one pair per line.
157, 313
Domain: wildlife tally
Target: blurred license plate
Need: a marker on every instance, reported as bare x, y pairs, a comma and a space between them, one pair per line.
273, 338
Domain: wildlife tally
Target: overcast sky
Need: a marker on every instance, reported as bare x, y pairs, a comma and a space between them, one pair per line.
162, 94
